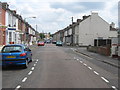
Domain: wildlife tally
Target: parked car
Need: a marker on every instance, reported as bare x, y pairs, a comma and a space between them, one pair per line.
48, 41
53, 42
59, 43
16, 54
41, 43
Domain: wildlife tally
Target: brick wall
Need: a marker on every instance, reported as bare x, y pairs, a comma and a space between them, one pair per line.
101, 50
2, 29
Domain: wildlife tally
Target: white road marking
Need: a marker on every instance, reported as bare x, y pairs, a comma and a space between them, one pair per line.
37, 60
114, 88
24, 79
77, 59
81, 61
90, 58
34, 65
105, 79
30, 73
34, 59
32, 68
74, 58
84, 64
90, 68
17, 87
96, 72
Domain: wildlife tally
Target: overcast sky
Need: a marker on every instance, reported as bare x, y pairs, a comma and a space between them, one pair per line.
54, 15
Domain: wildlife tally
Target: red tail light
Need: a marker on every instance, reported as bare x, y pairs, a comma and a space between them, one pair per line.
23, 54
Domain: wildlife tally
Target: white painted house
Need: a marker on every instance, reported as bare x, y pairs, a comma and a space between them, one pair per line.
11, 27
93, 27
32, 36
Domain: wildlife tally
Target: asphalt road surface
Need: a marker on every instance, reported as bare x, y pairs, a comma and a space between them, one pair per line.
58, 67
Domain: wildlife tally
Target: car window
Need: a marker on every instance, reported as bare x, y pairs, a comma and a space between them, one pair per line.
41, 42
11, 49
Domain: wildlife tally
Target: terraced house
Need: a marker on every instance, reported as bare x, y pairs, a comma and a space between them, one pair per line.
2, 25
91, 30
88, 30
14, 29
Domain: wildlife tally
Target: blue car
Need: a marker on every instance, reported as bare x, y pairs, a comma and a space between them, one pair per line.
16, 54
59, 43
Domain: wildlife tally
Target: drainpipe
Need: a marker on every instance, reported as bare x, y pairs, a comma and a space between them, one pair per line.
119, 30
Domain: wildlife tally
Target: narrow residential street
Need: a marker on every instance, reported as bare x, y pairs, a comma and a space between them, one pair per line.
59, 44
61, 67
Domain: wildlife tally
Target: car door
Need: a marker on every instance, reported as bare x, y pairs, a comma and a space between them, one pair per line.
29, 53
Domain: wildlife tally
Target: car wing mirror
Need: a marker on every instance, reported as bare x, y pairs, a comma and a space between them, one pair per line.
26, 49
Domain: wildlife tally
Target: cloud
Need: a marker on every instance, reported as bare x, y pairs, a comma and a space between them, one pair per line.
110, 12
78, 7
55, 15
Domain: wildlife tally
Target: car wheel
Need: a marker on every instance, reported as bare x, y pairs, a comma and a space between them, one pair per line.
26, 64
4, 67
31, 60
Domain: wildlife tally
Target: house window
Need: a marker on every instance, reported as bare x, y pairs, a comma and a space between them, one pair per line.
10, 36
15, 38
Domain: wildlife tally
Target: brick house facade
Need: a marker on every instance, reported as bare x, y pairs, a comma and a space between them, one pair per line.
2, 25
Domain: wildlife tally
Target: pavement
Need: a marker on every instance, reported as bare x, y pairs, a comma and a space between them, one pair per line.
106, 59
1, 47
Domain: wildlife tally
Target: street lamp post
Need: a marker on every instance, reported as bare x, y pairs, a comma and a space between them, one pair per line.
72, 33
29, 17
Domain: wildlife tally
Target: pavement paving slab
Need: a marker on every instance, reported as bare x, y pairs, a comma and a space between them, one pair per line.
106, 59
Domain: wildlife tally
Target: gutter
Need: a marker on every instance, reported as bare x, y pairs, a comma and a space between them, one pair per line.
107, 62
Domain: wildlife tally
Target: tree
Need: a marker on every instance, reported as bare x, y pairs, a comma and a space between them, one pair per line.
42, 36
50, 34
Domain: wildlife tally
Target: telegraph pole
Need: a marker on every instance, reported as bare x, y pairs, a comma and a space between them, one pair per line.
72, 20
36, 27
72, 33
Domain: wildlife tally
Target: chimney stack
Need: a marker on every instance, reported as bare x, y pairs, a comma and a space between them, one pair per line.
14, 11
5, 5
94, 13
78, 20
84, 17
112, 25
